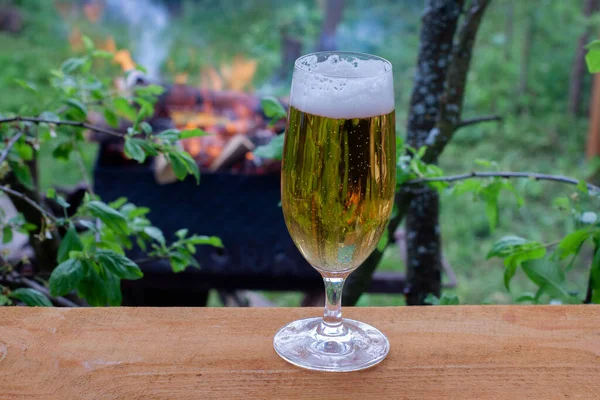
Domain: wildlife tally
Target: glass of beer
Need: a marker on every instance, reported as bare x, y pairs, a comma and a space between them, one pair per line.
337, 190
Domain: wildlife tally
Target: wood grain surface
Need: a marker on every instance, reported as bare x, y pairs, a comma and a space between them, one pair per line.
504, 352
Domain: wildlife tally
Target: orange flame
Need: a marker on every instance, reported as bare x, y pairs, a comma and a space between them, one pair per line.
236, 76
123, 58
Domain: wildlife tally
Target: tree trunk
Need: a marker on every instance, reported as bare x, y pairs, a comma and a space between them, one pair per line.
423, 245
333, 16
422, 225
434, 114
578, 66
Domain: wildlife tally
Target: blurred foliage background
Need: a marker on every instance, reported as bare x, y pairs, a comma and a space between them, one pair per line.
521, 71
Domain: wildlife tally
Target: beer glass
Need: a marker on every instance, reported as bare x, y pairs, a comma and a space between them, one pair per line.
337, 189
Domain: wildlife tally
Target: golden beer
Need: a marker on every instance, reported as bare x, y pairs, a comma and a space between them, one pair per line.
337, 186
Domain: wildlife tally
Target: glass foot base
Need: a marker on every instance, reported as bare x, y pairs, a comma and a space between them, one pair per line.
308, 343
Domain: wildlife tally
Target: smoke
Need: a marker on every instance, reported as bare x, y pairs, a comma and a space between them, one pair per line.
147, 23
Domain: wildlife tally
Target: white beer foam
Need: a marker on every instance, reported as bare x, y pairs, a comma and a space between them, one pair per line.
345, 87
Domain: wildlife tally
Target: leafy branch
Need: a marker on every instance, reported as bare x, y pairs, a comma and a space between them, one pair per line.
528, 175
58, 122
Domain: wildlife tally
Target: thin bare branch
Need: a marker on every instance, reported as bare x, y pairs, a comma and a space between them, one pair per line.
528, 175
478, 120
9, 146
32, 203
63, 122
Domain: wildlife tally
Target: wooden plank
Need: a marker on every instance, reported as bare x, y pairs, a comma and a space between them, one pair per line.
437, 352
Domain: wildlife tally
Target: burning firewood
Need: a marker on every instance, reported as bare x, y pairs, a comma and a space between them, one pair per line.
234, 151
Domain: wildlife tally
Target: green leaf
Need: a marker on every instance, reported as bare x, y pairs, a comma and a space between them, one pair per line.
181, 259
102, 54
31, 297
526, 297
72, 64
146, 109
273, 108
505, 246
66, 277
548, 276
209, 240
25, 151
26, 85
4, 300
491, 210
63, 150
87, 42
582, 186
146, 128
571, 244
113, 290
62, 202
490, 194
155, 234
7, 234
49, 116
432, 299
190, 165
272, 150
445, 300
118, 264
181, 233
593, 45
22, 173
179, 167
178, 263
109, 216
111, 118
592, 58
123, 107
449, 300
134, 150
513, 261
51, 193
149, 147
118, 203
79, 108
467, 186
150, 90
93, 288
190, 133
169, 135
71, 242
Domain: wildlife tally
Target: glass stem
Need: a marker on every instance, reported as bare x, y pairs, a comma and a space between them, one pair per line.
332, 317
